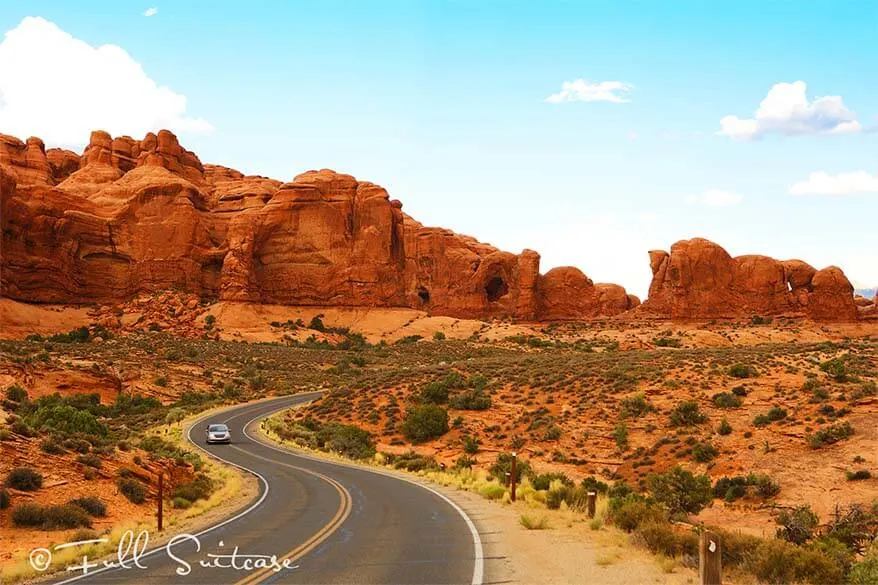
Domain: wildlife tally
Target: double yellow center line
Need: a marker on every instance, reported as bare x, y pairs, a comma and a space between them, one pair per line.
344, 510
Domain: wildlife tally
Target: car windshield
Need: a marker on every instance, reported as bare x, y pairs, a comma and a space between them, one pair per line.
217, 429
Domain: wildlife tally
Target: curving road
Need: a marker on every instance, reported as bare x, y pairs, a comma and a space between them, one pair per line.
327, 522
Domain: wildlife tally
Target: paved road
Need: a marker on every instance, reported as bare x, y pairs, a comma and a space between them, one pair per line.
334, 523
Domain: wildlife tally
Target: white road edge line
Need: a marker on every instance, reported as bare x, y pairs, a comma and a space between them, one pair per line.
478, 549
210, 528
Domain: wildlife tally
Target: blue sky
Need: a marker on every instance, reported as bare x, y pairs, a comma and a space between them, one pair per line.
444, 104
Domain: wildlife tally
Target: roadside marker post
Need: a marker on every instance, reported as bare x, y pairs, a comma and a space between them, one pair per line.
710, 558
512, 487
591, 503
161, 500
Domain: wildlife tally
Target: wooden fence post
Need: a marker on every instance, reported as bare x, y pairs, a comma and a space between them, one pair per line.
710, 558
161, 501
514, 478
591, 504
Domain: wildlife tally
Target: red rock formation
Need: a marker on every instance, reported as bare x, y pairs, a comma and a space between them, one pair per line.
698, 280
133, 216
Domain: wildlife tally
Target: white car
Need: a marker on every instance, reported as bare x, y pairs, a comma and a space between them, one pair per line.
218, 433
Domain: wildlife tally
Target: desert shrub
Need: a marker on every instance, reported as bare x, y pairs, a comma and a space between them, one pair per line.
199, 488
740, 391
704, 452
835, 550
438, 336
743, 371
408, 339
464, 462
830, 435
779, 563
473, 399
181, 503
836, 369
434, 393
470, 444
854, 526
775, 413
79, 335
52, 446
859, 474
667, 341
738, 548
90, 460
636, 406
348, 440
20, 427
414, 462
209, 321
4, 499
16, 394
426, 422
659, 537
632, 511
28, 514
575, 497
65, 517
133, 489
503, 465
531, 523
797, 525
542, 481
686, 414
160, 381
25, 479
724, 428
592, 484
65, 418
680, 491
620, 434
93, 505
865, 572
726, 400
733, 488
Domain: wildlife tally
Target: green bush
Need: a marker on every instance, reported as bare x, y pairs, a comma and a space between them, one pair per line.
93, 505
90, 460
779, 563
16, 394
473, 399
199, 488
348, 440
726, 400
704, 452
733, 488
52, 446
576, 498
133, 489
830, 435
67, 419
64, 517
631, 511
854, 526
4, 499
620, 435
866, 571
470, 444
859, 474
414, 462
25, 479
636, 406
724, 428
687, 414
680, 491
836, 369
659, 537
424, 423
743, 371
797, 525
438, 336
592, 484
542, 481
775, 413
181, 503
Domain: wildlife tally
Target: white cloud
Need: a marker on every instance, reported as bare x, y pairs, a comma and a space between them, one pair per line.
822, 183
96, 88
151, 11
786, 110
583, 90
716, 198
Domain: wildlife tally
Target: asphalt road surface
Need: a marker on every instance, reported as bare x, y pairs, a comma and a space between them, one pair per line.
324, 522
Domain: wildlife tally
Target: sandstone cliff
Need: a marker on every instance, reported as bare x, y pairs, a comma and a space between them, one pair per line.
130, 216
699, 279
